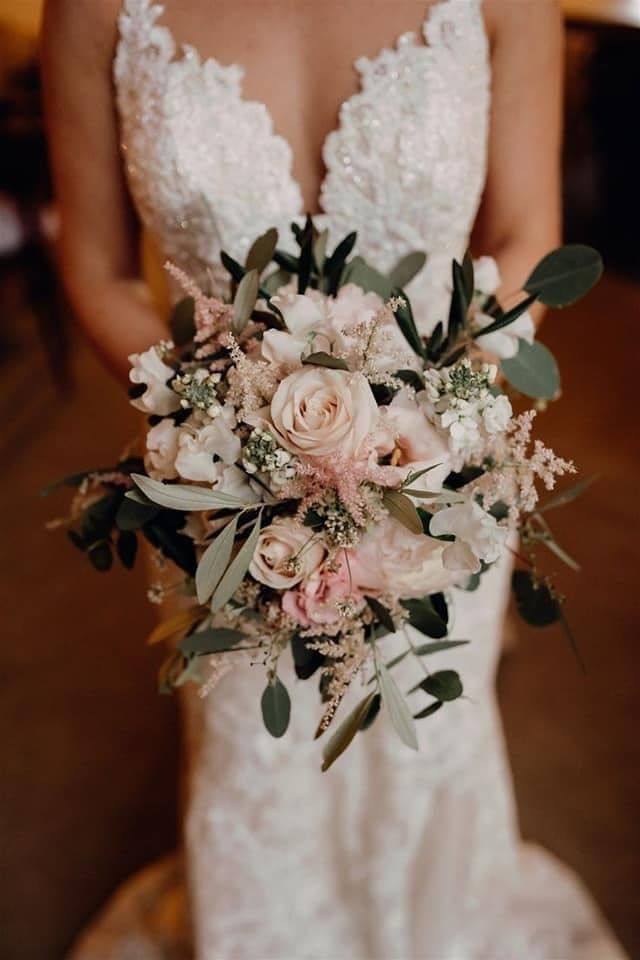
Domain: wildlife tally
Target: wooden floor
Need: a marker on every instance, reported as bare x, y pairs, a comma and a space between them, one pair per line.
90, 751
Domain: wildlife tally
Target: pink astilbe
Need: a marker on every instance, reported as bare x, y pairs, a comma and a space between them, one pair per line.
211, 316
349, 480
252, 383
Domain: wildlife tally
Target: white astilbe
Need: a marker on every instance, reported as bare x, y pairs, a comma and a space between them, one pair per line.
515, 468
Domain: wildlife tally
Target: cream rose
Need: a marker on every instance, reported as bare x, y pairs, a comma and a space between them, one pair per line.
320, 412
285, 554
392, 560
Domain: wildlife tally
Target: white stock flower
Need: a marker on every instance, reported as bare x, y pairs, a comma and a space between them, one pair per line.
150, 369
415, 442
504, 343
162, 449
486, 276
478, 536
285, 554
496, 413
323, 412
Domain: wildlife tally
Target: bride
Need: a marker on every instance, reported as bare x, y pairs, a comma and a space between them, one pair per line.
421, 125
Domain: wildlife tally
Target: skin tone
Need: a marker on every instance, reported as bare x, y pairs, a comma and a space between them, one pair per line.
314, 46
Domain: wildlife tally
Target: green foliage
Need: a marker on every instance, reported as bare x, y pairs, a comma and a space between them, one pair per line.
533, 371
237, 569
209, 641
444, 685
261, 251
214, 561
425, 616
276, 707
535, 602
565, 275
407, 268
382, 614
402, 509
399, 712
322, 359
347, 730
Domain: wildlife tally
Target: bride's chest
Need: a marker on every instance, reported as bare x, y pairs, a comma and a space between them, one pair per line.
208, 165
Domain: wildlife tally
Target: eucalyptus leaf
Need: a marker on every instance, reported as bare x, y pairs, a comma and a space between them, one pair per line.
214, 561
245, 301
132, 514
399, 712
536, 604
347, 730
402, 509
533, 371
276, 707
323, 359
424, 616
127, 548
237, 569
261, 252
101, 556
565, 275
407, 268
210, 640
179, 496
444, 685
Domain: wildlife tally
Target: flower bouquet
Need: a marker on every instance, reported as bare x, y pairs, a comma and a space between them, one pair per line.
322, 473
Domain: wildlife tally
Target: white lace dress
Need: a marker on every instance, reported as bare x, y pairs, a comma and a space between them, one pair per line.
391, 855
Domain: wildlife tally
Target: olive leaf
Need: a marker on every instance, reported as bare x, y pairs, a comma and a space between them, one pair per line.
568, 495
261, 252
406, 323
565, 275
402, 509
533, 371
237, 569
211, 640
214, 561
179, 496
276, 707
323, 359
399, 712
432, 708
245, 301
347, 730
426, 648
407, 268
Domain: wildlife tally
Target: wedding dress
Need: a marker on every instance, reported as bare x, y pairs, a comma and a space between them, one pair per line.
391, 855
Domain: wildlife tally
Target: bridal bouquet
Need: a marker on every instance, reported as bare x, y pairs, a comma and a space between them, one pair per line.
323, 473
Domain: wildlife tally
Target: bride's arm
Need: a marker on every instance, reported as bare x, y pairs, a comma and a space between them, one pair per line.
99, 242
519, 219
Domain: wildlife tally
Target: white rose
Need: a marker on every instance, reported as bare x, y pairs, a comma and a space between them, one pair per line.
478, 536
321, 412
195, 459
149, 368
504, 343
486, 276
162, 449
285, 554
391, 560
304, 316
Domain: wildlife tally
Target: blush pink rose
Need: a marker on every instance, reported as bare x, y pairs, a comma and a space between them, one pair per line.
315, 602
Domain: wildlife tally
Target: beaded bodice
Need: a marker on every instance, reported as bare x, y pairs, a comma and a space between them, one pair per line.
405, 166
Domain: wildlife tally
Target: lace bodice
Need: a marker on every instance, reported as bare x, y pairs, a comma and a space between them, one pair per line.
405, 166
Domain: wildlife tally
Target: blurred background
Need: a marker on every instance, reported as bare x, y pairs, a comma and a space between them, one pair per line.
89, 750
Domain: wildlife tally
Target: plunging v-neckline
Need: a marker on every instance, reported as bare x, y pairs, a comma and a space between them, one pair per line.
234, 73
